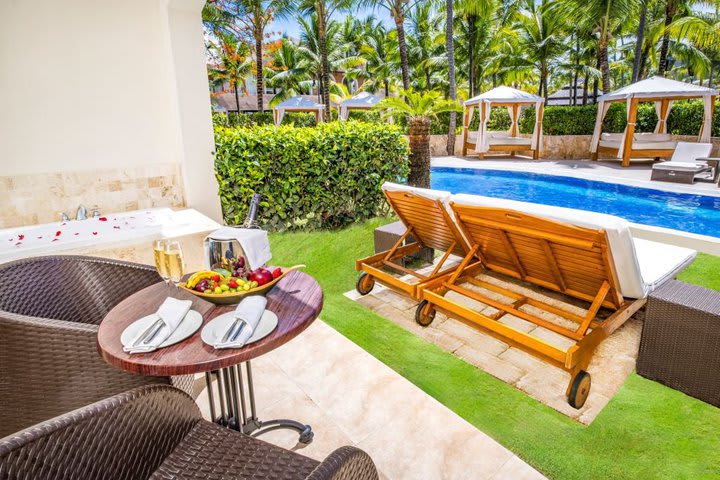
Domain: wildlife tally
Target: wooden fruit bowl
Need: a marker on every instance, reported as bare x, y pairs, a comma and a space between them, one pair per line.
231, 298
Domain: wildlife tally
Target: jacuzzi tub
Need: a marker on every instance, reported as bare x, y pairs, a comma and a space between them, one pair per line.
102, 233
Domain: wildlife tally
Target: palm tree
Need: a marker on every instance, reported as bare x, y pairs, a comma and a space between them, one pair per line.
379, 53
398, 10
540, 38
231, 63
288, 71
420, 109
474, 24
639, 39
426, 51
253, 17
601, 17
323, 10
450, 47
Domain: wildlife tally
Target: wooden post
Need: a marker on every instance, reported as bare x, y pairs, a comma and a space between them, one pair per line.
483, 106
538, 147
513, 127
466, 124
664, 104
630, 131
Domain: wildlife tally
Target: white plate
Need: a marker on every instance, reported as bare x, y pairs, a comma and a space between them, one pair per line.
219, 325
187, 327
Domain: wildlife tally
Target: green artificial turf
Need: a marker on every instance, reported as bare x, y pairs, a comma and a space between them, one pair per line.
646, 431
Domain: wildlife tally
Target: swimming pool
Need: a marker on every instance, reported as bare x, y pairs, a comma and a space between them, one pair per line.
680, 211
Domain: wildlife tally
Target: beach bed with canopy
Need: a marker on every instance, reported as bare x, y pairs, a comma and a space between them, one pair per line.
295, 105
662, 92
361, 101
484, 141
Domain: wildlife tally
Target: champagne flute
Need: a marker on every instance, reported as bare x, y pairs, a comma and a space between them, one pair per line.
159, 247
174, 261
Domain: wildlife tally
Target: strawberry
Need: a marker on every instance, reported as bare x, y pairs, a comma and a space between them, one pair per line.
232, 284
216, 278
277, 272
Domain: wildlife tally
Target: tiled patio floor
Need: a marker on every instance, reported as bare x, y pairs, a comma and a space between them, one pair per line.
613, 361
351, 398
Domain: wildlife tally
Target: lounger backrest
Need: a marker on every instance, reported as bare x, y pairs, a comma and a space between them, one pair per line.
688, 152
426, 212
616, 231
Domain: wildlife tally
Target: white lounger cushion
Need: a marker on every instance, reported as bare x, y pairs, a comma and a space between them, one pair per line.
686, 166
640, 145
652, 137
420, 192
633, 284
660, 262
511, 141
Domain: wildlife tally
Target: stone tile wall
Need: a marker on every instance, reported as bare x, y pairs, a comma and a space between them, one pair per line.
40, 198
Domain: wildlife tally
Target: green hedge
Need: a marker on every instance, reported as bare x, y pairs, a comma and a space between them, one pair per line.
233, 119
325, 176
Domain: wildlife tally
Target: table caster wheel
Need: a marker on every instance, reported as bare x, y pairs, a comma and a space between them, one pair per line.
365, 283
306, 436
425, 313
580, 389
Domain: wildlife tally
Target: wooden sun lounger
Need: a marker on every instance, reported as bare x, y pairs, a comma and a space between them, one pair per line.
561, 257
429, 224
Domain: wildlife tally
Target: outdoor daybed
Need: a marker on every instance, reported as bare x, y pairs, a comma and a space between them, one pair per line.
662, 92
483, 141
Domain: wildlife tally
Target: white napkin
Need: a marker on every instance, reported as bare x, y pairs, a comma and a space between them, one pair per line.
253, 241
171, 312
250, 309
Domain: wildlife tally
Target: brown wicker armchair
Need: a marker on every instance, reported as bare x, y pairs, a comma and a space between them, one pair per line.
157, 432
50, 309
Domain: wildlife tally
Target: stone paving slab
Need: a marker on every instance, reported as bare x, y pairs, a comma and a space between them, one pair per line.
612, 362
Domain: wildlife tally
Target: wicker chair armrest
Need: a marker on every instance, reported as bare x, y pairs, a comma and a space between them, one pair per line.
345, 463
126, 436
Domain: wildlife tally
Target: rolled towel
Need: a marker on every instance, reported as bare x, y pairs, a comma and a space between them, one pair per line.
247, 316
171, 313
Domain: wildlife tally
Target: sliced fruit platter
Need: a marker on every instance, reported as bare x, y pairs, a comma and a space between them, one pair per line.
227, 286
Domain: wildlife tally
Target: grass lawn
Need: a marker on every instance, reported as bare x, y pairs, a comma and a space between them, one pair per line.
646, 431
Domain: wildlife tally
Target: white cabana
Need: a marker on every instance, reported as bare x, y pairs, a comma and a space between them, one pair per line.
662, 92
361, 101
484, 141
298, 104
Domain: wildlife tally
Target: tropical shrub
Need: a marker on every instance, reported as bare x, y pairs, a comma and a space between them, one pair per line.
325, 176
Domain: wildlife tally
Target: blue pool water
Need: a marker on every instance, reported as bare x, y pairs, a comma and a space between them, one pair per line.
686, 212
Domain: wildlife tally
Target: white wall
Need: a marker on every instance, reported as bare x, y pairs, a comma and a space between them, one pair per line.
105, 84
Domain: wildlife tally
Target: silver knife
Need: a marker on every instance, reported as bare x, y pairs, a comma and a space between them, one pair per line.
159, 325
231, 333
144, 335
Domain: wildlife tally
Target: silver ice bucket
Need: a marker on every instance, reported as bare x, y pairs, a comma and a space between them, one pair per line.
221, 252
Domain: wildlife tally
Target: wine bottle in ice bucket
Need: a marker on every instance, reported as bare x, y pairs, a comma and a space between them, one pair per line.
251, 219
223, 249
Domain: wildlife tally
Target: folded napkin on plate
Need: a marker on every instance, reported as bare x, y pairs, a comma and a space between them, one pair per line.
249, 311
254, 243
171, 312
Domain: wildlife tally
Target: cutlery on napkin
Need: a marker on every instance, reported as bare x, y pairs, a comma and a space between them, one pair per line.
169, 315
247, 316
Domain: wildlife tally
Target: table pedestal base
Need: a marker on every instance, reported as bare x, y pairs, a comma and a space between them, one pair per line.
240, 415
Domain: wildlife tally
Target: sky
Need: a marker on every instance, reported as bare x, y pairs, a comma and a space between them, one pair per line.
291, 27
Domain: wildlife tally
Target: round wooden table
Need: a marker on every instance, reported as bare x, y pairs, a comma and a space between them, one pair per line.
296, 300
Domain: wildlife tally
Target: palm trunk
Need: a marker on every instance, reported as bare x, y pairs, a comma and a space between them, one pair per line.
237, 96
640, 38
259, 87
585, 90
603, 64
400, 26
387, 88
325, 66
670, 8
472, 31
450, 47
419, 133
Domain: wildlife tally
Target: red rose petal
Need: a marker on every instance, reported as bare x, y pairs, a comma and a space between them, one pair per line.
94, 233
55, 239
18, 243
77, 233
39, 237
58, 233
103, 219
116, 227
10, 239
21, 237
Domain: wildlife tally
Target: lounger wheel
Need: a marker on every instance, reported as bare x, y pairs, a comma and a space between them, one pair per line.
365, 284
580, 389
425, 313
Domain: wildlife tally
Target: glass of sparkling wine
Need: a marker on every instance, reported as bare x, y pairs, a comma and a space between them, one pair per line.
159, 247
174, 261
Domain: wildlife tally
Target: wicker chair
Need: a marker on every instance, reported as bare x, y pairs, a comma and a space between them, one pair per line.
157, 432
50, 309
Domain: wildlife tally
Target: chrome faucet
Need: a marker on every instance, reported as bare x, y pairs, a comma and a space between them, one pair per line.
64, 217
95, 211
81, 213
